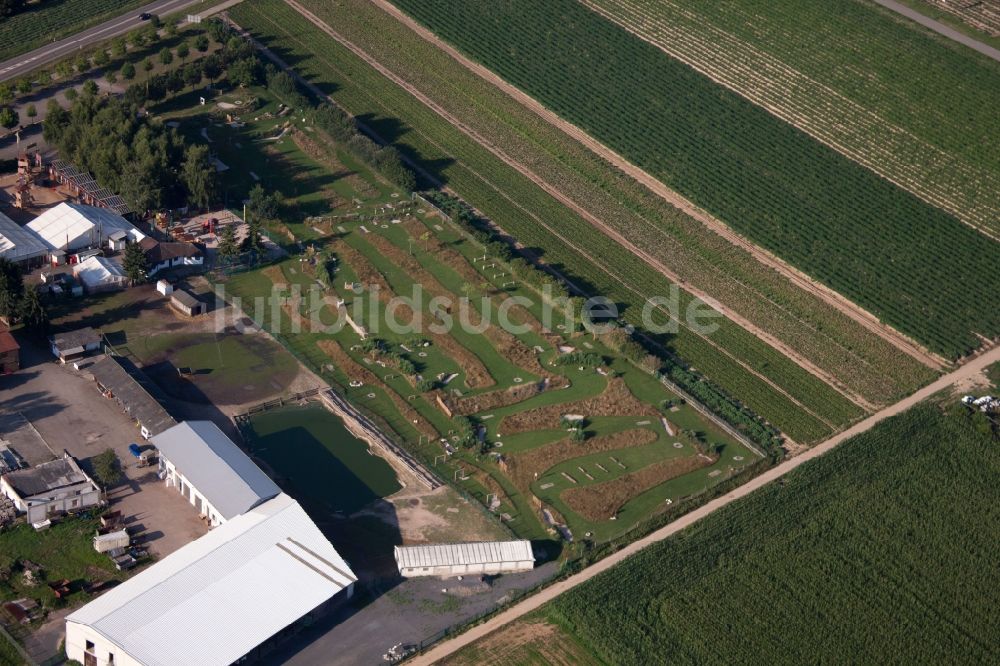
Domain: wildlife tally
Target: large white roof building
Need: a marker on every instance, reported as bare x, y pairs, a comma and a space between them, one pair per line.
210, 471
454, 559
73, 226
19, 244
216, 599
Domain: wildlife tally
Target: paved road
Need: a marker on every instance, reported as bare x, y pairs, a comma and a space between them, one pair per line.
970, 369
25, 63
941, 28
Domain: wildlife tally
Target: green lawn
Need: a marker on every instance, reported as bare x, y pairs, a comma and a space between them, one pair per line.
64, 551
319, 460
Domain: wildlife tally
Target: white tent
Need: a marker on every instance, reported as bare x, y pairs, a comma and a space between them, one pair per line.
72, 226
19, 244
100, 274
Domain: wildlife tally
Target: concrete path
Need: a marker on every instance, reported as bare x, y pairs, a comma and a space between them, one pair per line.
941, 28
966, 371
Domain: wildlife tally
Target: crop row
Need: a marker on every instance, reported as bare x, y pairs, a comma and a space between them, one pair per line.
882, 247
524, 210
874, 542
862, 361
969, 192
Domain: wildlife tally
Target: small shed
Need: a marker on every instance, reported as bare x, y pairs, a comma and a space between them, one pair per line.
105, 542
118, 240
164, 287
10, 353
186, 303
456, 559
76, 344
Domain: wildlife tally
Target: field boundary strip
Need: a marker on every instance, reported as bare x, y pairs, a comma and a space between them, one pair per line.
594, 221
829, 296
536, 601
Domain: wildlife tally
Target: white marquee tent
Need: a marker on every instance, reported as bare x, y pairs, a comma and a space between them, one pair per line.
72, 226
19, 244
100, 274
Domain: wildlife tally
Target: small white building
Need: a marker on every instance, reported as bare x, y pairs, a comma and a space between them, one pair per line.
210, 471
457, 559
50, 489
217, 599
100, 274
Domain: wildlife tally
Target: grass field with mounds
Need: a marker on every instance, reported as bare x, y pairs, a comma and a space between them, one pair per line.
860, 360
52, 20
762, 378
902, 259
875, 552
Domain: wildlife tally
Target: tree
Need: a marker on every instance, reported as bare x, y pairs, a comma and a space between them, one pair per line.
63, 69
211, 66
6, 94
201, 43
244, 72
90, 88
229, 251
166, 55
111, 77
262, 204
71, 94
11, 288
31, 112
118, 48
192, 74
101, 58
8, 117
82, 64
24, 85
147, 65
134, 263
137, 39
170, 28
254, 242
183, 51
107, 468
128, 71
199, 175
33, 314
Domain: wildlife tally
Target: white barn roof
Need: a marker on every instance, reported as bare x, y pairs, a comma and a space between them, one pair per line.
72, 226
227, 478
222, 595
448, 554
18, 243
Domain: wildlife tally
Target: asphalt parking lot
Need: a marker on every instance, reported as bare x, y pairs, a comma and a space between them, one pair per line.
64, 406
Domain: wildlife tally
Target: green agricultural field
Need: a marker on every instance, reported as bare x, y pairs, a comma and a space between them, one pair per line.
864, 362
320, 461
875, 552
904, 260
538, 221
52, 20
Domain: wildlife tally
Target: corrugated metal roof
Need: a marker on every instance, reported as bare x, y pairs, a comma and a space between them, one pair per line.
447, 554
140, 397
216, 599
18, 243
228, 479
71, 226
